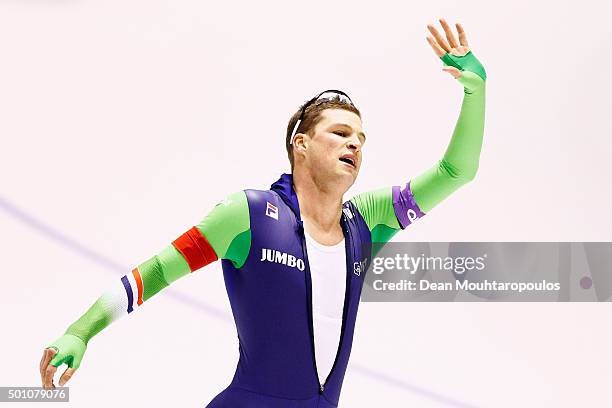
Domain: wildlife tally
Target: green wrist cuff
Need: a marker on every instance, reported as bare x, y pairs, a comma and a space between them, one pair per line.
472, 83
467, 62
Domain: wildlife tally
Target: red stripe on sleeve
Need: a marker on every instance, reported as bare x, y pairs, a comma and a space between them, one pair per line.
138, 280
195, 248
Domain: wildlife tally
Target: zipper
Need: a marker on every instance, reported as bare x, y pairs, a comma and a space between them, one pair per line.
347, 236
347, 290
309, 301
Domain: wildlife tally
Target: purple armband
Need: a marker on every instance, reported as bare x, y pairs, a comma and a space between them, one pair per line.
406, 209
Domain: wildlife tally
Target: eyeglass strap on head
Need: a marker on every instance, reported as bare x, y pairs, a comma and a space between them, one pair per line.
297, 124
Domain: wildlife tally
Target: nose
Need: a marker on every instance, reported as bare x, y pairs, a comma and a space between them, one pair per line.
354, 143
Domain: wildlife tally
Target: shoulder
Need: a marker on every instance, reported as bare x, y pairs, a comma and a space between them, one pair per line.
230, 213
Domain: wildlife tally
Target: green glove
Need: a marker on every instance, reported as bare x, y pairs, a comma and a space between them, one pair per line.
467, 62
70, 350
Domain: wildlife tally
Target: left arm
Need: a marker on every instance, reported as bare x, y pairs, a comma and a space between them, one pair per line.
391, 209
459, 164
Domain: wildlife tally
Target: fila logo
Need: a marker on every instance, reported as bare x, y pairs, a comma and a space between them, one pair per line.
272, 255
271, 211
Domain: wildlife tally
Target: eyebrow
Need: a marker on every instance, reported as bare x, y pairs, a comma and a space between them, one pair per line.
348, 126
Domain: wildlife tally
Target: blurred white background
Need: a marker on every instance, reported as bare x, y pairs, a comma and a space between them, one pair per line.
124, 122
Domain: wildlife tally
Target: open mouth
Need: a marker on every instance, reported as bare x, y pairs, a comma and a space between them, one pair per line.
348, 160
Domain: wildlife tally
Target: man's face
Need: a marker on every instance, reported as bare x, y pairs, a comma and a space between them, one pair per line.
333, 152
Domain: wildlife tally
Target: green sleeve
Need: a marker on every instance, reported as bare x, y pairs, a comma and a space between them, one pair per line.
227, 230
460, 161
376, 208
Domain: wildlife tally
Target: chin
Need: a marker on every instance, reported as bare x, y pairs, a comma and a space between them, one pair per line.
348, 177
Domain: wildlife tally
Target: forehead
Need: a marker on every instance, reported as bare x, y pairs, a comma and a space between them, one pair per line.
330, 117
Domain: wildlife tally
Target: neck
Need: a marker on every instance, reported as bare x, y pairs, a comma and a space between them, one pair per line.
320, 203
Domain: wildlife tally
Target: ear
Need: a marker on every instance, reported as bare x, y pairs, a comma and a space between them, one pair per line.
300, 141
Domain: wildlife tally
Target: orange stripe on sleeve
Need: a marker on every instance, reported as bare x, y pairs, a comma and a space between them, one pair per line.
138, 280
